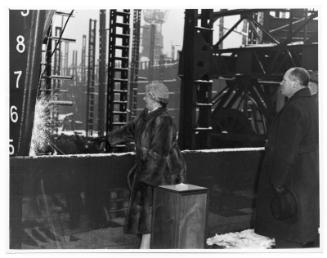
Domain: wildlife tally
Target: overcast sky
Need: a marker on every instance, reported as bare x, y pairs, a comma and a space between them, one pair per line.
78, 25
172, 29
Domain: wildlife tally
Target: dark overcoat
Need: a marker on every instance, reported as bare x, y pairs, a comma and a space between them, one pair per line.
291, 161
158, 162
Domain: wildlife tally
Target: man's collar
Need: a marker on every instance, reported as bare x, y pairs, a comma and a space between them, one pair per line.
304, 92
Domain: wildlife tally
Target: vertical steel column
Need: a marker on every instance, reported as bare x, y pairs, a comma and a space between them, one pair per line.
260, 19
132, 100
48, 61
83, 61
195, 111
202, 81
245, 32
66, 56
111, 71
172, 52
305, 29
90, 79
151, 51
253, 36
74, 68
187, 95
56, 83
102, 71
221, 29
290, 28
161, 67
256, 34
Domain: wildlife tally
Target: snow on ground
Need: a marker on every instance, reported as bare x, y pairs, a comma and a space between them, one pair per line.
225, 150
244, 239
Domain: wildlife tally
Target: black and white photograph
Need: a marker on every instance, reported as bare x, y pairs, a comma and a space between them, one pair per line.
180, 129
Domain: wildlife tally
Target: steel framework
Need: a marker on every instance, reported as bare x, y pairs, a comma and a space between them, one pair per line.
249, 76
132, 102
196, 89
102, 72
118, 61
74, 72
90, 79
65, 61
52, 74
83, 61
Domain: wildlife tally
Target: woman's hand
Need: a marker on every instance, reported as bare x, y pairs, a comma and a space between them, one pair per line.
102, 144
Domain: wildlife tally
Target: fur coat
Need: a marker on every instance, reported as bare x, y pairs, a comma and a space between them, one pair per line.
158, 162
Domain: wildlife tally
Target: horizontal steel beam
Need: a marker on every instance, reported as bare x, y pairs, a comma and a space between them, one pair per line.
58, 77
217, 15
61, 102
62, 39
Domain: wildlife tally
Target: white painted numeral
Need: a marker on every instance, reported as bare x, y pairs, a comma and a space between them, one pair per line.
11, 147
19, 74
20, 47
25, 13
13, 114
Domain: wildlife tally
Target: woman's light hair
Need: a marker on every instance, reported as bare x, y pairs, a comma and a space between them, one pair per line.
158, 91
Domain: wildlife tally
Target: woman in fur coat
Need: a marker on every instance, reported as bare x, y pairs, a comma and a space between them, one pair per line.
158, 158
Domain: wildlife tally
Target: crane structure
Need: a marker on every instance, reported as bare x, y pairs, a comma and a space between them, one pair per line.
245, 79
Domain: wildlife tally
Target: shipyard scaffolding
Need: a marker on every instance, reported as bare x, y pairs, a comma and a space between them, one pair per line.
118, 69
134, 68
55, 70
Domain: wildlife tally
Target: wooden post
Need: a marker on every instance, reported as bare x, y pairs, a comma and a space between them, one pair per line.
179, 216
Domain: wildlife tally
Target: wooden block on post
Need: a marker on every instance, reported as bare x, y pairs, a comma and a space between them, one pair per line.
179, 216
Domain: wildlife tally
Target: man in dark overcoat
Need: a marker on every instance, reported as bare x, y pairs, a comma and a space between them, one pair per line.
158, 158
287, 206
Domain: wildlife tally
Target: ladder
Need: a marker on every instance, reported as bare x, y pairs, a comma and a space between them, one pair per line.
118, 61
90, 80
132, 104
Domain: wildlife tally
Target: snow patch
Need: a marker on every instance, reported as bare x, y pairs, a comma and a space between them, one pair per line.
225, 150
244, 239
